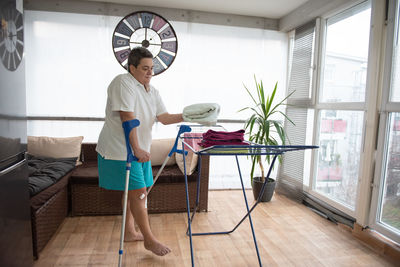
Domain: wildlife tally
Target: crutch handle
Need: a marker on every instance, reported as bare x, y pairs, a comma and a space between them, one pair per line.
128, 127
182, 129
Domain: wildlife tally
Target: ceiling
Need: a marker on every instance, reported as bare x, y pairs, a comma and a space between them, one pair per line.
273, 9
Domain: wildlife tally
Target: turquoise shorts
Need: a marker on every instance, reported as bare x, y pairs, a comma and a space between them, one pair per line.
112, 174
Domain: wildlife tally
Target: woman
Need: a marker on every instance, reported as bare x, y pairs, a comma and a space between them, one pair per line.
130, 96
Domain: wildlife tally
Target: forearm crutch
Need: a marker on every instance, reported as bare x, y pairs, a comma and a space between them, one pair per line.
182, 129
128, 127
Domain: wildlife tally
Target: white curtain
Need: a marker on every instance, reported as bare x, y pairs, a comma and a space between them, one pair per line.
70, 62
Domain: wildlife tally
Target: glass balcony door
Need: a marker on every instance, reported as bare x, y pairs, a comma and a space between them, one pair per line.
340, 106
385, 204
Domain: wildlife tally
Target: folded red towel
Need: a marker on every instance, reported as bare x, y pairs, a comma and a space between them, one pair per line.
221, 135
211, 138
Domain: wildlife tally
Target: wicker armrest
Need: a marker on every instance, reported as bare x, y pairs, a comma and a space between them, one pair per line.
87, 173
88, 152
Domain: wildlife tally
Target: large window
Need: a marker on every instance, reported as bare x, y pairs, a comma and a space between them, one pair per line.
340, 135
349, 92
385, 208
389, 208
328, 73
340, 105
345, 56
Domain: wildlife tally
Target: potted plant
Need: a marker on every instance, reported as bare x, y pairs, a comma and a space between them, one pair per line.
264, 130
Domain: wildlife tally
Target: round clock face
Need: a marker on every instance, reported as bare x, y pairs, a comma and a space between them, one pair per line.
148, 30
11, 37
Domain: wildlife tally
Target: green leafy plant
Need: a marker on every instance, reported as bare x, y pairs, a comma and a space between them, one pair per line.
260, 127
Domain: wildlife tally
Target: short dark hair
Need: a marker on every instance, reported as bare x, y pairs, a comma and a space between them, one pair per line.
137, 54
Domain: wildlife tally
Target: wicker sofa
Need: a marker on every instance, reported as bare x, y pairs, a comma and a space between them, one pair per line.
51, 161
77, 193
168, 194
49, 208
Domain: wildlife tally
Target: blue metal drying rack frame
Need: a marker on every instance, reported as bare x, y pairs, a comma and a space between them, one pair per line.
232, 150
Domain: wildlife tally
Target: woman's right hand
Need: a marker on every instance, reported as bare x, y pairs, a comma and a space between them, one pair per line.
142, 155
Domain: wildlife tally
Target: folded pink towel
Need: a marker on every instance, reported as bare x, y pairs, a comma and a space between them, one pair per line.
192, 140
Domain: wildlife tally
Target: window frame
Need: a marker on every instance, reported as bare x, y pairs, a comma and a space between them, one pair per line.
386, 108
317, 106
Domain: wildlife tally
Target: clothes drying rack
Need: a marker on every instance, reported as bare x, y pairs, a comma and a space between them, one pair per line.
231, 150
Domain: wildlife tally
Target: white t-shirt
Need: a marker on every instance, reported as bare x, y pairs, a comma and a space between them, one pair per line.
125, 93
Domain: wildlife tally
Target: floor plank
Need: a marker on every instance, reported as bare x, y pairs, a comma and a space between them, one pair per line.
288, 234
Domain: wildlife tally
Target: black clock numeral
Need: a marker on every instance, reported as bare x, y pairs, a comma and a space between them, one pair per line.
146, 19
122, 28
120, 42
122, 55
134, 21
166, 58
167, 33
170, 46
158, 24
157, 66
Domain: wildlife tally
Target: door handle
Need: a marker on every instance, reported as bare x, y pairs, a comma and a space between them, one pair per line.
13, 167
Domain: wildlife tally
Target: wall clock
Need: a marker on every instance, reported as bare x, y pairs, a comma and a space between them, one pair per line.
11, 36
148, 30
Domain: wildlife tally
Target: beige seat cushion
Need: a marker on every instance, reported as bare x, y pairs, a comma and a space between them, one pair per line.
55, 147
159, 151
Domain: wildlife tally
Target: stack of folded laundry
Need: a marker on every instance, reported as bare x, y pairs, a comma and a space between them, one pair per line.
212, 138
203, 113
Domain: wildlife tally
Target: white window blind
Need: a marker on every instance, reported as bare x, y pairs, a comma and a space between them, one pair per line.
290, 180
302, 57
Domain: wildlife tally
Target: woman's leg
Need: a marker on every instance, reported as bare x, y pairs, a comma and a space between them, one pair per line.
136, 199
130, 232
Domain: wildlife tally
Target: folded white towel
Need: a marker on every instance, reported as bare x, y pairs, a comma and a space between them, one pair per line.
203, 113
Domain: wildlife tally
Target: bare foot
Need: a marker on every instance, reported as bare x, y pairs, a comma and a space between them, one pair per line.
157, 248
136, 236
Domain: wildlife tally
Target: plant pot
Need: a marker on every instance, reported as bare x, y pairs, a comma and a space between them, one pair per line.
268, 191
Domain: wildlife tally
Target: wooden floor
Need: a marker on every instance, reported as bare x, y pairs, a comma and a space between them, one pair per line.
288, 234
